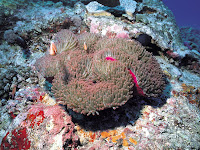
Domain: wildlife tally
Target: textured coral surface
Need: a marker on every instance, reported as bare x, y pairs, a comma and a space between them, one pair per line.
90, 73
93, 73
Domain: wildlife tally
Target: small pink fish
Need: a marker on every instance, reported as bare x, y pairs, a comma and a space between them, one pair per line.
52, 49
14, 91
85, 46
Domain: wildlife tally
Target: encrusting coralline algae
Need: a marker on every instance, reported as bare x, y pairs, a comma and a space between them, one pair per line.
157, 109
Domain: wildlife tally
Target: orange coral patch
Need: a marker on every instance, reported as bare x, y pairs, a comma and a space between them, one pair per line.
133, 141
78, 128
125, 143
105, 134
115, 138
123, 135
92, 136
113, 132
81, 131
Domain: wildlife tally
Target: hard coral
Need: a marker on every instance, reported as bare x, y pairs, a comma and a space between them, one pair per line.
104, 74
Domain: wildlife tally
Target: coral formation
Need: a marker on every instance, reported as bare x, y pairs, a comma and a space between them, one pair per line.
40, 127
112, 136
150, 17
18, 139
90, 73
10, 36
14, 77
190, 92
51, 125
106, 74
13, 4
191, 37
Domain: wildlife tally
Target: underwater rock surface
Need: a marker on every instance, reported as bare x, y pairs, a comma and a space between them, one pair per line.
32, 118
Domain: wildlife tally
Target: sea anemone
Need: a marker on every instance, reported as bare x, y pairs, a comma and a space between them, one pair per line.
105, 74
65, 40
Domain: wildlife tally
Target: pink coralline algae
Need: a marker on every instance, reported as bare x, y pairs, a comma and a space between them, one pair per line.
94, 27
33, 118
40, 129
105, 75
123, 34
17, 141
50, 121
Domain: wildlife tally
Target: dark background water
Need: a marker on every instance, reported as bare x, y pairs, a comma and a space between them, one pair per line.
186, 12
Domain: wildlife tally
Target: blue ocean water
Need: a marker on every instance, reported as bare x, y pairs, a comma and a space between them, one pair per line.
186, 12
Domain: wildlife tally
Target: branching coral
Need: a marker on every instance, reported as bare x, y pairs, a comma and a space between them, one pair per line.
106, 74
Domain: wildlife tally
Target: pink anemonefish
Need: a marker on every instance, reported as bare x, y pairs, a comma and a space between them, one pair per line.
85, 46
52, 49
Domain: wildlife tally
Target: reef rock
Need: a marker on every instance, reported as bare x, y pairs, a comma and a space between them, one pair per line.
148, 17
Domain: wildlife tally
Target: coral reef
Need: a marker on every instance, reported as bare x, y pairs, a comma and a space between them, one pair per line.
51, 17
5, 119
160, 128
13, 4
117, 137
12, 78
18, 139
191, 37
150, 17
42, 127
37, 119
105, 73
113, 76
190, 92
10, 36
49, 127
13, 112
